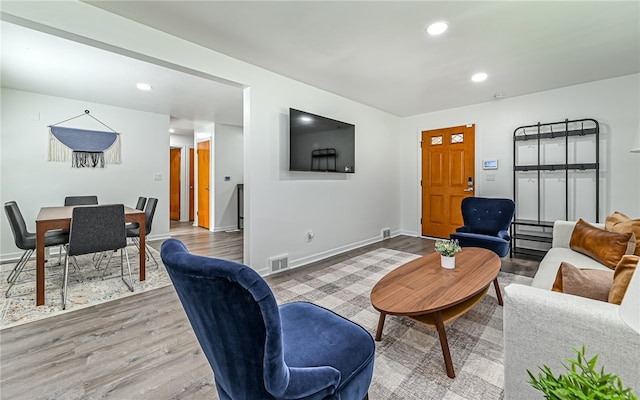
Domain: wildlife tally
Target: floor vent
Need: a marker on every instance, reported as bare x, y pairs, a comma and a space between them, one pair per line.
386, 233
279, 263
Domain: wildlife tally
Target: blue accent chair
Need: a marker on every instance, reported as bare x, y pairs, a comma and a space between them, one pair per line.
486, 224
259, 350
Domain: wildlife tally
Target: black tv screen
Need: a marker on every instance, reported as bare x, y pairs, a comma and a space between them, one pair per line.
320, 144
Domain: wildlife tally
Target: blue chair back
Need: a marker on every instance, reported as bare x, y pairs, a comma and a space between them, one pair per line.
487, 216
241, 338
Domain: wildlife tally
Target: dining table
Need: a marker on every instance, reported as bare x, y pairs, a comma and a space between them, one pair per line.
51, 218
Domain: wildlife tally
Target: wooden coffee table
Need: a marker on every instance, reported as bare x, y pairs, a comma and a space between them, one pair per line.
424, 291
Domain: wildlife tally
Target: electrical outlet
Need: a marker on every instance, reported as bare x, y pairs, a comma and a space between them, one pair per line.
386, 233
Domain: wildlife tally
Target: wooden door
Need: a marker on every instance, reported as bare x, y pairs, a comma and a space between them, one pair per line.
204, 188
191, 184
448, 176
174, 184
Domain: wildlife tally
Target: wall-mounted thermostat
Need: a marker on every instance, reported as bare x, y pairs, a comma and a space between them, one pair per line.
490, 164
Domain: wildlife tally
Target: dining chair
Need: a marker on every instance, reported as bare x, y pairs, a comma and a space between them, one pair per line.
26, 241
80, 200
94, 230
141, 203
259, 349
134, 233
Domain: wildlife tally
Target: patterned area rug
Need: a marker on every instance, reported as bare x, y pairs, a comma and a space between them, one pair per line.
87, 286
409, 362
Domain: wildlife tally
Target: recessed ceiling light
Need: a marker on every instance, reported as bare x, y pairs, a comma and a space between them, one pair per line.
144, 86
479, 77
437, 28
171, 130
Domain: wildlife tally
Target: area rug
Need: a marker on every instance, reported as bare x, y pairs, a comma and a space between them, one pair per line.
409, 362
87, 286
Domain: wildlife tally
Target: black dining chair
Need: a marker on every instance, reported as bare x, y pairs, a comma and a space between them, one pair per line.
142, 201
134, 233
80, 200
94, 230
26, 240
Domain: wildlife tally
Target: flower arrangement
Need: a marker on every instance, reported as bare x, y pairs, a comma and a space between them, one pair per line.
448, 247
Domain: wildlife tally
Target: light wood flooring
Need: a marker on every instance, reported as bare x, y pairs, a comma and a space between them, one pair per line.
140, 347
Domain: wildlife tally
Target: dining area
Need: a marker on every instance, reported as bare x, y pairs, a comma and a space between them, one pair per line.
81, 228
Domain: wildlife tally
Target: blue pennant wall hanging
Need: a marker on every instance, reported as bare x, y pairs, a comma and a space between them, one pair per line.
86, 148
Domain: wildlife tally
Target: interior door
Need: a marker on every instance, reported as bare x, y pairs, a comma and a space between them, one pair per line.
174, 184
448, 176
191, 184
204, 188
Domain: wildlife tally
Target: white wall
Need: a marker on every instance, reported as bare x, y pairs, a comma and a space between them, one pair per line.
33, 182
184, 143
228, 161
344, 211
614, 103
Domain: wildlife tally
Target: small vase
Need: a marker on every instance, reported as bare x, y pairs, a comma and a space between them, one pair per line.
447, 262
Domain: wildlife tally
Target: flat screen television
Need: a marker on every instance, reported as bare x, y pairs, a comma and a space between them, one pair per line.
320, 144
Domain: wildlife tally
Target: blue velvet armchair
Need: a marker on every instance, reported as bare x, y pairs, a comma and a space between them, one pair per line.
486, 224
259, 350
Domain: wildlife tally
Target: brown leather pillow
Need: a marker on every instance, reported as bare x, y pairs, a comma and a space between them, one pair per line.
603, 246
620, 223
591, 283
622, 277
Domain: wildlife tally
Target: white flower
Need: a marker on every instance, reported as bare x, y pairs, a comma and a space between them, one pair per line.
448, 247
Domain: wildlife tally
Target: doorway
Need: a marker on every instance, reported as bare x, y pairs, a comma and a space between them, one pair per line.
204, 188
448, 176
174, 183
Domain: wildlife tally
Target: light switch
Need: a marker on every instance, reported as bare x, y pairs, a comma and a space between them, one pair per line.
491, 177
157, 176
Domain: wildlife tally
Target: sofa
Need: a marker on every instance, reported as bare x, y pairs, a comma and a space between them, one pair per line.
541, 326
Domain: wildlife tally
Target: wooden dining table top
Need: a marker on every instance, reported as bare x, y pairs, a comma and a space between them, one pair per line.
65, 212
422, 286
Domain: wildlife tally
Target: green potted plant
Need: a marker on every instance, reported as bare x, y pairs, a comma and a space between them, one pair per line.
448, 249
581, 381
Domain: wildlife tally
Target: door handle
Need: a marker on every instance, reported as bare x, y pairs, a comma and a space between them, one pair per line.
468, 190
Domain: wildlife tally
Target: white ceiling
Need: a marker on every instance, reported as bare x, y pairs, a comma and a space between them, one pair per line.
373, 52
376, 52
38, 62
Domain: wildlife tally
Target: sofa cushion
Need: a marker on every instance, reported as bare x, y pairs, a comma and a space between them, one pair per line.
550, 264
621, 278
590, 283
620, 223
601, 245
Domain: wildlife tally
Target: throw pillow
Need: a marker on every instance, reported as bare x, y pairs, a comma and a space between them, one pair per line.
603, 246
620, 223
591, 283
622, 277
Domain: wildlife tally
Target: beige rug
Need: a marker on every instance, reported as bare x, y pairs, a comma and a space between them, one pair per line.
87, 286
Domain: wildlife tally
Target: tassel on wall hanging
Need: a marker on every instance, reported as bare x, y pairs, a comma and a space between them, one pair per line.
85, 148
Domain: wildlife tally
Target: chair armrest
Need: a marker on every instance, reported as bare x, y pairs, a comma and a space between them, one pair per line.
310, 383
504, 234
463, 228
541, 327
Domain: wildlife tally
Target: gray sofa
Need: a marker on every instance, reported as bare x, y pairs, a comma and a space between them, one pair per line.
541, 326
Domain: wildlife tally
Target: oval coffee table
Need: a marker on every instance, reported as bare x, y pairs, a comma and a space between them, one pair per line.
424, 291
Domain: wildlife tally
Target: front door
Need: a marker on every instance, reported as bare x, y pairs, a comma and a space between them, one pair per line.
448, 176
174, 184
204, 188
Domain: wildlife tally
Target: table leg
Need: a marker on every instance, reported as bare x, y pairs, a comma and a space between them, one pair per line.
40, 231
498, 294
444, 344
380, 326
143, 248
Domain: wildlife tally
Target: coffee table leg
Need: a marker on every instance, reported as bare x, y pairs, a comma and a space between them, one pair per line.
380, 326
498, 294
444, 344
